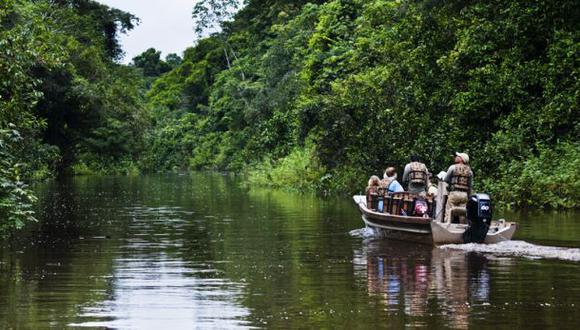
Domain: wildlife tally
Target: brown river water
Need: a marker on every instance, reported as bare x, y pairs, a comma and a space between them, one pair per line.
204, 251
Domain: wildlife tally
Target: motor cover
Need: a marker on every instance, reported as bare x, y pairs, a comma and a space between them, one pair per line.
479, 213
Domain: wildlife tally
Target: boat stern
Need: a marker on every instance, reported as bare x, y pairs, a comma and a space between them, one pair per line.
452, 233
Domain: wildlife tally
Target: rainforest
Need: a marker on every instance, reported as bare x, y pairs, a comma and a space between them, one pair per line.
303, 95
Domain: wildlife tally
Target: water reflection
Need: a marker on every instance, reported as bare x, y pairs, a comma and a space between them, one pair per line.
155, 287
165, 293
421, 281
201, 251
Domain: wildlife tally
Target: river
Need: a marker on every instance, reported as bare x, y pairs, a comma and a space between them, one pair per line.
204, 251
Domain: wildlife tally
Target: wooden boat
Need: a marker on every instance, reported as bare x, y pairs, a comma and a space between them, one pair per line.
429, 229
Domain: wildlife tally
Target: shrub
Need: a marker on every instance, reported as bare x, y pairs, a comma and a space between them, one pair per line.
550, 179
300, 170
15, 198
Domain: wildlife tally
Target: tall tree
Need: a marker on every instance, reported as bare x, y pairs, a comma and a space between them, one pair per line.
151, 63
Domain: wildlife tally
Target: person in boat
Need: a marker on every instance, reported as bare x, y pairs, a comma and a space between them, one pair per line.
389, 181
460, 179
373, 185
372, 192
415, 175
432, 189
421, 205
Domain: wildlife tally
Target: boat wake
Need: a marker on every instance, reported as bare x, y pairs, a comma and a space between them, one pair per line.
520, 249
366, 232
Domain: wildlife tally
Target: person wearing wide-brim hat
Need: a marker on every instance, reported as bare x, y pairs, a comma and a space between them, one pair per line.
460, 179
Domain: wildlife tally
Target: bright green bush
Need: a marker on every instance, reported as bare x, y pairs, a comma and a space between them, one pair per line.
550, 179
300, 170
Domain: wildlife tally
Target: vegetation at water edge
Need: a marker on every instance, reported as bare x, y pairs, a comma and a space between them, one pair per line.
307, 95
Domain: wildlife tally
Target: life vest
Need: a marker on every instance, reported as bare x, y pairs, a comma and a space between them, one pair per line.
461, 178
418, 173
386, 182
372, 193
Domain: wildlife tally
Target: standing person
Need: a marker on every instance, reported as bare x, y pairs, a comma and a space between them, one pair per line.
460, 179
416, 175
389, 181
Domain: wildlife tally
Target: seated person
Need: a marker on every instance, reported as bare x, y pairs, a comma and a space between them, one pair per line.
373, 185
415, 175
372, 192
421, 206
432, 189
389, 181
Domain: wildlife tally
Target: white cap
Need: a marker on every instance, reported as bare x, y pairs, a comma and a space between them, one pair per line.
463, 156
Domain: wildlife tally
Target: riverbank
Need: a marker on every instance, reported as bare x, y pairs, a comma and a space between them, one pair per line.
549, 181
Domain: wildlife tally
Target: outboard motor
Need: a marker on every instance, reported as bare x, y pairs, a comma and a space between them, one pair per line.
478, 217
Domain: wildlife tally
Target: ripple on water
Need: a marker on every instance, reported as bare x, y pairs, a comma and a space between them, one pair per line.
366, 232
520, 249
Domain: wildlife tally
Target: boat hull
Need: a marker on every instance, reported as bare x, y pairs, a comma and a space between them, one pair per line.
444, 233
427, 230
400, 233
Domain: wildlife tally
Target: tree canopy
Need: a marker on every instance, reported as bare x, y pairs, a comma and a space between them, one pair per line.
64, 101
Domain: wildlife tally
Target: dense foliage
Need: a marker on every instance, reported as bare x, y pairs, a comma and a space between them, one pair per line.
15, 197
65, 104
301, 94
352, 86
